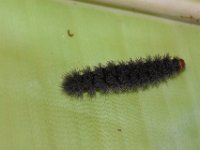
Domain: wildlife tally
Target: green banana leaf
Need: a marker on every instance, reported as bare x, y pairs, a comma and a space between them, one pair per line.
42, 40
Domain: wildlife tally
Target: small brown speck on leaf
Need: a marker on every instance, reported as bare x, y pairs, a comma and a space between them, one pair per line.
120, 130
197, 20
70, 34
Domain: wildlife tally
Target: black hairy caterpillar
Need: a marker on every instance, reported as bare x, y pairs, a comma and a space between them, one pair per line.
122, 76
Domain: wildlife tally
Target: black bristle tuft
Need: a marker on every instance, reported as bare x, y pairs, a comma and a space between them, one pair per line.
122, 76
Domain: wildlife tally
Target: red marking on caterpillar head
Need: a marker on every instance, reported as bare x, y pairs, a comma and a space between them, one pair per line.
181, 64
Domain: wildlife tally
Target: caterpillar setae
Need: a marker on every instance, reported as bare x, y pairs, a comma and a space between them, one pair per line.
122, 76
